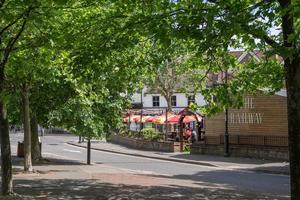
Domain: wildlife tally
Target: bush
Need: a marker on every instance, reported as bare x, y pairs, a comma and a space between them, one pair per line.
187, 149
123, 132
150, 134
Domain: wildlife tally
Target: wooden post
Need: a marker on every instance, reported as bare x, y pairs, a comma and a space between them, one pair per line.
141, 121
166, 122
181, 136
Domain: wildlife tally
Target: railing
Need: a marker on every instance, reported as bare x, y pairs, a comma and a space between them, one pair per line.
261, 140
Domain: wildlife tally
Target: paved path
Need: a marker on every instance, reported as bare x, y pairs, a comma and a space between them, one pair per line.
115, 176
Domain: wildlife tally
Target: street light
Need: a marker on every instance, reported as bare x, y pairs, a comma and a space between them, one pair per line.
226, 134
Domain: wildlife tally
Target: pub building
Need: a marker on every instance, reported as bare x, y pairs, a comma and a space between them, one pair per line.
257, 130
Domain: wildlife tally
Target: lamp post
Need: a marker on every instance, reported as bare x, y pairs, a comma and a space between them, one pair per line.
88, 160
226, 134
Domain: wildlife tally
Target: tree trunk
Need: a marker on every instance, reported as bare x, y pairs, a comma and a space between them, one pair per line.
292, 67
27, 131
293, 98
169, 102
6, 165
35, 144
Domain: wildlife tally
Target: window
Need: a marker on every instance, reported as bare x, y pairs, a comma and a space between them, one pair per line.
173, 101
191, 99
155, 101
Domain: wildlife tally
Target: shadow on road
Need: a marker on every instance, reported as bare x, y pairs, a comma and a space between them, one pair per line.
93, 189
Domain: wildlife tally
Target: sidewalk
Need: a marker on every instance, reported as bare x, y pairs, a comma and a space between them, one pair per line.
67, 180
230, 163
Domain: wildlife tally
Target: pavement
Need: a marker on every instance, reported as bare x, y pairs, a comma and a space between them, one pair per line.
122, 173
58, 179
228, 163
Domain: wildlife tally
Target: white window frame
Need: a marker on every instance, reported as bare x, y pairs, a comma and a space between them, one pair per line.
174, 101
155, 103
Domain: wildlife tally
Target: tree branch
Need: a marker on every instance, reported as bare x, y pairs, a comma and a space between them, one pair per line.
12, 23
264, 37
2, 3
14, 39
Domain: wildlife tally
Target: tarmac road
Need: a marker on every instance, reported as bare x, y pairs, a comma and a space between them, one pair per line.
55, 146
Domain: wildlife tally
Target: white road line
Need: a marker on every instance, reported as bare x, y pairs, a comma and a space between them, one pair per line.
180, 163
53, 154
145, 158
73, 151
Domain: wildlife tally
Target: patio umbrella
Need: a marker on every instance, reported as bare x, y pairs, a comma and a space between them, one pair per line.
132, 118
151, 118
174, 119
161, 119
144, 119
191, 118
187, 119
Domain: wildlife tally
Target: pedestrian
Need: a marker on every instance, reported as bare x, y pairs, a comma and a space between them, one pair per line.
43, 131
194, 136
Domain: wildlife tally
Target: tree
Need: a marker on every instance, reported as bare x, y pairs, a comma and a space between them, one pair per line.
100, 66
12, 26
243, 24
15, 18
169, 70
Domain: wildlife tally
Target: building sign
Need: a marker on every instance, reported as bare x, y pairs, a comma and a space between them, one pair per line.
246, 117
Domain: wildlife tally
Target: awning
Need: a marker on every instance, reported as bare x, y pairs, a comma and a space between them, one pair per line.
132, 118
161, 119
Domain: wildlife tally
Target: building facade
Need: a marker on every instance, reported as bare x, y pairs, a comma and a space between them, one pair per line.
259, 129
157, 101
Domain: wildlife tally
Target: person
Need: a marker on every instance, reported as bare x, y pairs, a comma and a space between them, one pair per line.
194, 136
188, 133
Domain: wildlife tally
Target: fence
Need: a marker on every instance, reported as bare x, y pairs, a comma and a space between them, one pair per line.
260, 140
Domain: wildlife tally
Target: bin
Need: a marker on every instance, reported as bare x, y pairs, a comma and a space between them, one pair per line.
20, 150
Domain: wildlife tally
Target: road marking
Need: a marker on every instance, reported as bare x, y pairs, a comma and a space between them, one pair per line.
145, 158
73, 151
53, 154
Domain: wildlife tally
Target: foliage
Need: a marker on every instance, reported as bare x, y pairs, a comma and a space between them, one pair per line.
215, 27
170, 68
187, 148
150, 134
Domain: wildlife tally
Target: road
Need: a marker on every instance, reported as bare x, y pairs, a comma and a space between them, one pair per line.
55, 146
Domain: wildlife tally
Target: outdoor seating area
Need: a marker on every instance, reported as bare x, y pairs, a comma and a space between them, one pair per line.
185, 126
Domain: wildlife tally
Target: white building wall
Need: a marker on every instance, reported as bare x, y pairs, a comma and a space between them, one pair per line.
181, 99
136, 98
147, 100
199, 98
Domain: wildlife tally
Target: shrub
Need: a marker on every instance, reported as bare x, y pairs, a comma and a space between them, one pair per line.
150, 134
187, 149
123, 132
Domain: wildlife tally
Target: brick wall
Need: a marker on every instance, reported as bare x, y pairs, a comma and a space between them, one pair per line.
249, 151
262, 121
142, 144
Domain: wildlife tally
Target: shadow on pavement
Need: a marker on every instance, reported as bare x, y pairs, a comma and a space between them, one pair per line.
66, 189
16, 161
216, 158
274, 169
236, 180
